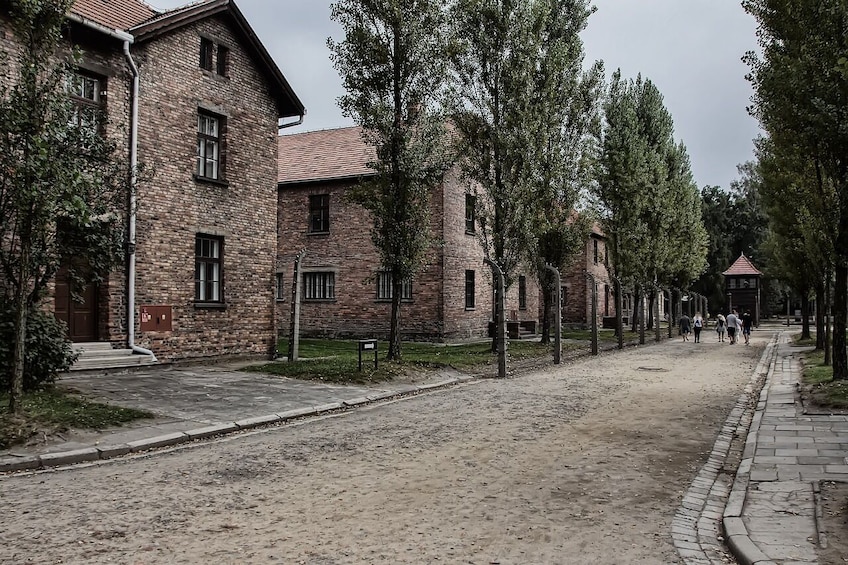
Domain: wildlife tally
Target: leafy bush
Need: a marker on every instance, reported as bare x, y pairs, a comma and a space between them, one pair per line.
48, 350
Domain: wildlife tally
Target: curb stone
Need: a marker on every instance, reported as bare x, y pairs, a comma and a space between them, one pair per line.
704, 528
104, 452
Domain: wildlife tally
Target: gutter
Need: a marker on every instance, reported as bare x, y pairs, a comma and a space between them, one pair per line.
291, 124
127, 39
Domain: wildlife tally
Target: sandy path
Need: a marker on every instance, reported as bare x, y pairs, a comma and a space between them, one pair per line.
584, 463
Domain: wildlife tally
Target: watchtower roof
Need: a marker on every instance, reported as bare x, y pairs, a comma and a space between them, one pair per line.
742, 267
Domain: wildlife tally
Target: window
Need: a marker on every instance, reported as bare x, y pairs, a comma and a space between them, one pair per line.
319, 213
280, 286
469, 289
732, 282
207, 48
319, 286
223, 61
384, 287
85, 91
522, 292
209, 138
595, 250
470, 213
208, 269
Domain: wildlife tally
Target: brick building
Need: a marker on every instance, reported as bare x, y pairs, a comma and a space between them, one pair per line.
345, 293
192, 94
576, 286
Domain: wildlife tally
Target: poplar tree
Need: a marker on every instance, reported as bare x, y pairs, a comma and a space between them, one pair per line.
393, 66
61, 184
522, 107
801, 100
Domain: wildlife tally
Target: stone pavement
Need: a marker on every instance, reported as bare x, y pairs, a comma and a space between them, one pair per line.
771, 514
196, 403
767, 513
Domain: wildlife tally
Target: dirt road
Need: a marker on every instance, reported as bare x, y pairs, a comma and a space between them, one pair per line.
583, 463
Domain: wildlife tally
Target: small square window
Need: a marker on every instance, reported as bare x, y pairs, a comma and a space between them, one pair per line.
470, 290
385, 288
319, 213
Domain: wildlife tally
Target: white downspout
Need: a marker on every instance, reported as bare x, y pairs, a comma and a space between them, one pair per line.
133, 181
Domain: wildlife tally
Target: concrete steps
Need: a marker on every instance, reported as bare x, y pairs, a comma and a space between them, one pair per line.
101, 355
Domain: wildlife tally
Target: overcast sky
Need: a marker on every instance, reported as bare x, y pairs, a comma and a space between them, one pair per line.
691, 49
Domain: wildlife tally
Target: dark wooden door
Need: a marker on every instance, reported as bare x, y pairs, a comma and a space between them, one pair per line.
81, 317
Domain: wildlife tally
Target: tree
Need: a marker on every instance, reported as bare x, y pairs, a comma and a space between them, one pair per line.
801, 100
392, 65
60, 183
509, 58
648, 202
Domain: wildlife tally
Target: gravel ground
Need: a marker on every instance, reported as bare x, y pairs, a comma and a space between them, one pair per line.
582, 463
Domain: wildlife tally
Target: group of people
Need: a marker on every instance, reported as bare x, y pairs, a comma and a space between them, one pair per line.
733, 325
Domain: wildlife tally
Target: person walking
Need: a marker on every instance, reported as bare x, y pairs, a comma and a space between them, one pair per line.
684, 327
697, 325
721, 327
747, 325
733, 324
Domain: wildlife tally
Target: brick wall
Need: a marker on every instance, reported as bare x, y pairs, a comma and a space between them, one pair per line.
437, 309
174, 207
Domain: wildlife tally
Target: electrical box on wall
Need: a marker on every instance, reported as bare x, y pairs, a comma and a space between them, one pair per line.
155, 318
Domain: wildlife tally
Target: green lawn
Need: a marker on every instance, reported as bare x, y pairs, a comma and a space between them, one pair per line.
54, 410
824, 391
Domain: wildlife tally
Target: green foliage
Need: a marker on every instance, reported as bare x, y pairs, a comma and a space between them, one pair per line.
60, 183
53, 410
646, 198
48, 351
392, 64
801, 100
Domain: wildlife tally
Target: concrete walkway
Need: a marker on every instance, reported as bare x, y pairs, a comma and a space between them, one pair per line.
771, 514
196, 403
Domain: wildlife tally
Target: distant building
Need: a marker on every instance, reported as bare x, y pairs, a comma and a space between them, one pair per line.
742, 287
345, 290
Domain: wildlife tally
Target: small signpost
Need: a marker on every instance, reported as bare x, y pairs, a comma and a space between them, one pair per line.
366, 345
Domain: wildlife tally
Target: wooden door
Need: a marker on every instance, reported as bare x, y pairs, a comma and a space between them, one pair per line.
81, 317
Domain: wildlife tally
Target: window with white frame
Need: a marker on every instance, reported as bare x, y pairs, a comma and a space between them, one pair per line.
385, 290
208, 269
319, 285
209, 146
85, 91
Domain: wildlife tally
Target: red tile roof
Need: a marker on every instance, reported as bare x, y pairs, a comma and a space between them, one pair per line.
323, 155
114, 14
742, 266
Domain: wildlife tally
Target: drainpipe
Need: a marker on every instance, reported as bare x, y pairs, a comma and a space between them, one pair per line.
133, 181
127, 39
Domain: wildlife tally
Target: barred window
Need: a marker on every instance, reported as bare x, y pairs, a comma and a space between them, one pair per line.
385, 288
280, 286
470, 290
319, 286
522, 292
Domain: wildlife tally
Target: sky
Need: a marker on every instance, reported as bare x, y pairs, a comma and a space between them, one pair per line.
690, 49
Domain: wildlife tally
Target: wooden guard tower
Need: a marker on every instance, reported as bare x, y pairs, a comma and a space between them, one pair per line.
742, 287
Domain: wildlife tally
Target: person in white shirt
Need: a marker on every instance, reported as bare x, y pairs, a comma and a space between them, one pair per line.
733, 325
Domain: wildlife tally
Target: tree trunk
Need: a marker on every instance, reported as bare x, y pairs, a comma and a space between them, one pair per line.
394, 353
805, 315
547, 304
840, 311
637, 310
16, 391
820, 313
829, 325
652, 295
